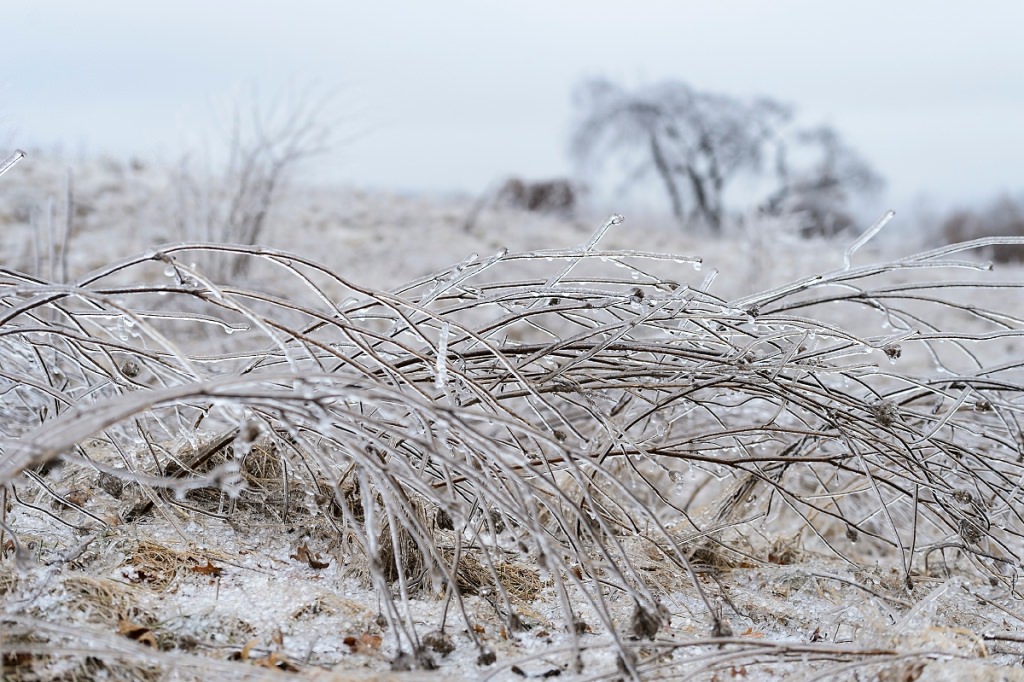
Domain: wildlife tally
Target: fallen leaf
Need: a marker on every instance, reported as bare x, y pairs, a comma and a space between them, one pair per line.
303, 553
78, 496
365, 642
139, 633
278, 662
208, 569
15, 659
749, 632
247, 649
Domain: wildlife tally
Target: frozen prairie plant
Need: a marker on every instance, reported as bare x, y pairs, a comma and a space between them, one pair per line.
587, 468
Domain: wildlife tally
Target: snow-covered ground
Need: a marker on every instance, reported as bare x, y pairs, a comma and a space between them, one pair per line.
182, 595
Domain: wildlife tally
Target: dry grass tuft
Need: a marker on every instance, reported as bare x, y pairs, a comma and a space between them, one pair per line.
103, 600
160, 567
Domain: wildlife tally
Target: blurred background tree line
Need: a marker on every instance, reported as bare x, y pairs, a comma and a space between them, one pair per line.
711, 159
698, 145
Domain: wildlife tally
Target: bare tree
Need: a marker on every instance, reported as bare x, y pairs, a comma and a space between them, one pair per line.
695, 142
266, 147
817, 174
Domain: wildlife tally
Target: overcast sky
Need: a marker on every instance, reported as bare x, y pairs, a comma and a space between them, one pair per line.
452, 95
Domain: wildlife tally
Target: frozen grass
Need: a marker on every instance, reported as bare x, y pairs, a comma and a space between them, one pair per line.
594, 436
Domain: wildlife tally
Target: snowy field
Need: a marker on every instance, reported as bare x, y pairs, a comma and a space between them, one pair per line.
388, 445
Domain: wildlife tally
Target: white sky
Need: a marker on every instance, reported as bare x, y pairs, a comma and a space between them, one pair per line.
452, 95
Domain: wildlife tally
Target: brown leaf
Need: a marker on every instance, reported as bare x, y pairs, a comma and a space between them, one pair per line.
247, 649
15, 659
303, 553
208, 569
78, 496
364, 642
277, 661
140, 633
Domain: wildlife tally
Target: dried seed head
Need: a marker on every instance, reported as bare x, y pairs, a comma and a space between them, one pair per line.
439, 642
893, 351
647, 622
963, 496
443, 519
721, 628
249, 432
971, 530
111, 484
885, 411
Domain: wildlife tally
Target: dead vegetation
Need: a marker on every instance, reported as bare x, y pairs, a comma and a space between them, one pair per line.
601, 435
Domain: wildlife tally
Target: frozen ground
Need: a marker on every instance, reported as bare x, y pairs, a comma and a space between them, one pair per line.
183, 595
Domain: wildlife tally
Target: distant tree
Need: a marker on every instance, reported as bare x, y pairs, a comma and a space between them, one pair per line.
266, 147
817, 174
697, 143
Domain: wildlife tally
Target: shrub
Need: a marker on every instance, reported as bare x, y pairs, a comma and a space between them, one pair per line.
475, 433
1000, 217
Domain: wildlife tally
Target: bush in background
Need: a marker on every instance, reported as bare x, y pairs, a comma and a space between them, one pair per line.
1003, 216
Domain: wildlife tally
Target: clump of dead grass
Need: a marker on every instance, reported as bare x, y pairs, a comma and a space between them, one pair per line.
160, 567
